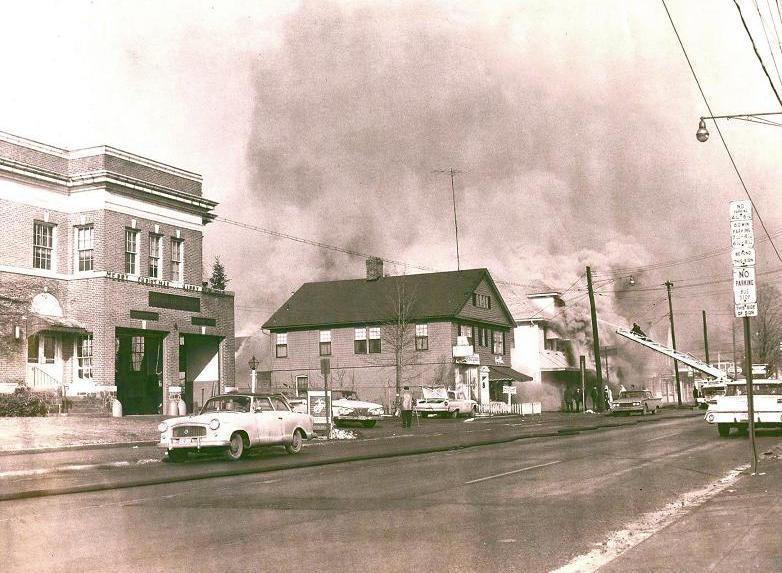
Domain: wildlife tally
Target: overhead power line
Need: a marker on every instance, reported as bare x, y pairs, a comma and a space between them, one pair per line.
719, 131
757, 54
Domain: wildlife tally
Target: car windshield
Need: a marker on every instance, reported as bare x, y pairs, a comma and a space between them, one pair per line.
633, 394
344, 395
711, 392
227, 404
759, 389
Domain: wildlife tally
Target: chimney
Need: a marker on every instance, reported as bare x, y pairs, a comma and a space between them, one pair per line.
374, 268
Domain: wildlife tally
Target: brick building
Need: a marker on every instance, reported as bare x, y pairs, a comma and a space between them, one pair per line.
447, 329
101, 278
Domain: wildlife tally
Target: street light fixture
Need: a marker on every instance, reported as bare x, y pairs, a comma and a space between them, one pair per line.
702, 134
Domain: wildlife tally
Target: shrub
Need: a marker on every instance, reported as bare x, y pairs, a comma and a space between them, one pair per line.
22, 402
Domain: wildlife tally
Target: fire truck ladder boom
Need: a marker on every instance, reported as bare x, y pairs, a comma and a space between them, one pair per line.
687, 359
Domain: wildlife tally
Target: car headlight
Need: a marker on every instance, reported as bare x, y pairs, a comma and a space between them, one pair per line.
214, 424
376, 411
636, 403
162, 427
710, 418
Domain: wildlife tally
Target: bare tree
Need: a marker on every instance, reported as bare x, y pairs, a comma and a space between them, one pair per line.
398, 333
767, 328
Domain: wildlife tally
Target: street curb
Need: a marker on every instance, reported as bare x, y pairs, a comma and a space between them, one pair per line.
91, 488
77, 447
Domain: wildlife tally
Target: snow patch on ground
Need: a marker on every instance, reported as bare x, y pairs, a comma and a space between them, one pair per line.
338, 434
647, 525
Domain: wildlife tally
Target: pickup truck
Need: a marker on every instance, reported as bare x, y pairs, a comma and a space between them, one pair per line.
639, 401
443, 402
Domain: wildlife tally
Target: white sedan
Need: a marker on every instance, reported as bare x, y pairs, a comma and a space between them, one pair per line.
235, 423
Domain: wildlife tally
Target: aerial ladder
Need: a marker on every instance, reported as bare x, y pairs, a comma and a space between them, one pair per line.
684, 357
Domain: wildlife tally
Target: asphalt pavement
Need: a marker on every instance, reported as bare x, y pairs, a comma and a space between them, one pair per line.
734, 530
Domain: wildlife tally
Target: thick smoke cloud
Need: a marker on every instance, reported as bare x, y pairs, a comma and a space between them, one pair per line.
557, 141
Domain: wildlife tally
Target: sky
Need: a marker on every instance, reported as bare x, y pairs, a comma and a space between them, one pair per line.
571, 125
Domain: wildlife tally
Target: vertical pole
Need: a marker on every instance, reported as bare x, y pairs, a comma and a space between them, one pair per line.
750, 395
595, 337
327, 402
455, 223
253, 379
668, 285
582, 367
608, 377
735, 362
705, 337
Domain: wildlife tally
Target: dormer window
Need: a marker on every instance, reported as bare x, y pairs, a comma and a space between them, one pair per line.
481, 300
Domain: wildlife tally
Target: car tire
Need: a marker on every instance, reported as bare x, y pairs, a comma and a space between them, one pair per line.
176, 456
236, 447
454, 414
646, 410
723, 430
474, 411
369, 423
297, 441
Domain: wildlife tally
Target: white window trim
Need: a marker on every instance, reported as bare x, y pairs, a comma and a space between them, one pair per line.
53, 253
137, 254
181, 262
159, 257
77, 251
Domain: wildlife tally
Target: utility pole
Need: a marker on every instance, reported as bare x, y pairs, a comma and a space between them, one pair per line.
668, 285
595, 337
705, 337
735, 363
453, 172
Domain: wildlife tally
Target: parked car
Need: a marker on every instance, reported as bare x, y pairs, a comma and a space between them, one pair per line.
443, 402
639, 401
235, 423
731, 411
346, 407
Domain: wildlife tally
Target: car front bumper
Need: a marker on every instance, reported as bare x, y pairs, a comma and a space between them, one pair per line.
765, 418
192, 443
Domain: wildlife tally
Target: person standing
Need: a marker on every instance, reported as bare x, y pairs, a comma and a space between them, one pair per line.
407, 408
568, 399
579, 398
607, 397
595, 395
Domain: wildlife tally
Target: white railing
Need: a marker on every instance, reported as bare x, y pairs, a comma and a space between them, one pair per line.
42, 380
523, 409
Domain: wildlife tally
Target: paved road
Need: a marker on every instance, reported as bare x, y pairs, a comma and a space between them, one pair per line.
528, 505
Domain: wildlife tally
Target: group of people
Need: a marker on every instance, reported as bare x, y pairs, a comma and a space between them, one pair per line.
574, 399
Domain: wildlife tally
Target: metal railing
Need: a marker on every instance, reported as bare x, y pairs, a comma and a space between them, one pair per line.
42, 380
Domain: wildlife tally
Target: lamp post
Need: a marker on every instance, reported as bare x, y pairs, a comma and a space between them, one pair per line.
702, 134
253, 365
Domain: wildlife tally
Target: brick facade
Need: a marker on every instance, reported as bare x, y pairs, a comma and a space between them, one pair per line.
100, 302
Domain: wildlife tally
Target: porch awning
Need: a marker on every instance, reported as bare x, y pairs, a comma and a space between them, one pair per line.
506, 374
42, 323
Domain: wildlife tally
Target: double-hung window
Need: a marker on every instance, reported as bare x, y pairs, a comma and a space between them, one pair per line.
131, 252
43, 245
85, 248
281, 348
177, 260
84, 358
422, 337
155, 254
374, 340
360, 341
468, 332
498, 346
325, 342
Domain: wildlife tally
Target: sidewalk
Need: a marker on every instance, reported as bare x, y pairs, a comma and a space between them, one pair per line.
737, 530
73, 432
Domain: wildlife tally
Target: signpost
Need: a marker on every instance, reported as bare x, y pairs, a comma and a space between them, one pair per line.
510, 391
742, 239
325, 369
